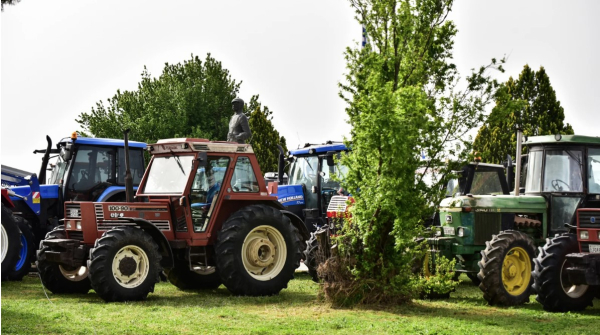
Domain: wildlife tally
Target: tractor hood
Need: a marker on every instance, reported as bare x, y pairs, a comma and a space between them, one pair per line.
493, 203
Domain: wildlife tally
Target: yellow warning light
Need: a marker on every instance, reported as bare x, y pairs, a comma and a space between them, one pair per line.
74, 136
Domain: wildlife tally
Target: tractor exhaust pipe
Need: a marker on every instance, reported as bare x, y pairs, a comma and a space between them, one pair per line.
518, 159
280, 166
128, 177
45, 159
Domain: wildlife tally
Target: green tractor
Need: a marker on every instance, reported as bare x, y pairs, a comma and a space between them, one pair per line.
494, 237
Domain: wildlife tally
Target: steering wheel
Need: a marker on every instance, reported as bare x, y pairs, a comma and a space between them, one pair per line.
556, 186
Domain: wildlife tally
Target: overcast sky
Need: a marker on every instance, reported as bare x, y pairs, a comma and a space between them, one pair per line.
59, 58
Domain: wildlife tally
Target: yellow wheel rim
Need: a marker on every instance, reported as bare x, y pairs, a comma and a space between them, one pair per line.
516, 271
426, 264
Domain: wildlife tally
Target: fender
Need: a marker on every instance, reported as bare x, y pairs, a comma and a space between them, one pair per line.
112, 191
159, 238
298, 223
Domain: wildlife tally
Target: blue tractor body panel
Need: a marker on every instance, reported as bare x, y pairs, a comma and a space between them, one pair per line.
319, 149
104, 142
290, 195
112, 190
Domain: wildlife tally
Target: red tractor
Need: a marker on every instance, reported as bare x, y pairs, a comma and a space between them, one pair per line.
202, 214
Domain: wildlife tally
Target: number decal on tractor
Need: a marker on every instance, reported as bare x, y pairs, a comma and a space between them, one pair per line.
117, 215
118, 208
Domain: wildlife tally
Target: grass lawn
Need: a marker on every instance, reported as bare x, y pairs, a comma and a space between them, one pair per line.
26, 310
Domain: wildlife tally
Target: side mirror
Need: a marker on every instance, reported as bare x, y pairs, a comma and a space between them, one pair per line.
202, 159
313, 189
183, 201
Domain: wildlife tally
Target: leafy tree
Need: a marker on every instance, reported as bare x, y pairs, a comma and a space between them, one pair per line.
531, 101
192, 99
402, 97
265, 137
9, 2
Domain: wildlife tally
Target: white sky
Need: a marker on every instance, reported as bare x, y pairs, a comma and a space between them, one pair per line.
58, 58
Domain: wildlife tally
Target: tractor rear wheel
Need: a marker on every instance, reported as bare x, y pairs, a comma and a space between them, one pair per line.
124, 265
551, 282
26, 253
58, 278
257, 251
185, 279
505, 268
310, 257
11, 238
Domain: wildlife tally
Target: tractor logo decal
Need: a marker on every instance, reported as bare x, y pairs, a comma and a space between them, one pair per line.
593, 219
299, 199
36, 197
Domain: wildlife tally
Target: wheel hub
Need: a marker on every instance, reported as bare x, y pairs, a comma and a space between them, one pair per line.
264, 252
516, 271
130, 266
127, 266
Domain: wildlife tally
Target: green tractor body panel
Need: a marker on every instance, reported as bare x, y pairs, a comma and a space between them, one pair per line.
467, 222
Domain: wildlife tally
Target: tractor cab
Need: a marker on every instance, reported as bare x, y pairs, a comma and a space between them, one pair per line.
565, 170
314, 178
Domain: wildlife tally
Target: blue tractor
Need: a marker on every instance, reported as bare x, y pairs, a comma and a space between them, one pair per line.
86, 169
313, 180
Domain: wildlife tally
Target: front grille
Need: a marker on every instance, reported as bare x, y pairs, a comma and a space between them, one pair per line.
586, 218
99, 212
76, 235
486, 225
337, 204
108, 225
73, 211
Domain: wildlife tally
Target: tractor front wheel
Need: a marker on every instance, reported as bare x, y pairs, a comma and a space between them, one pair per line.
27, 252
505, 268
124, 265
10, 244
58, 278
185, 279
551, 282
257, 251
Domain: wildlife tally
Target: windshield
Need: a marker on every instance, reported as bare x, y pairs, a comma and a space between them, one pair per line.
486, 182
168, 175
562, 171
594, 170
304, 171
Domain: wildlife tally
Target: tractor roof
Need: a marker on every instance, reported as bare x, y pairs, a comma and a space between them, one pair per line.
103, 142
197, 144
311, 149
562, 139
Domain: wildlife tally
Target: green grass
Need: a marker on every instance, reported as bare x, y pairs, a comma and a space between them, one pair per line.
26, 310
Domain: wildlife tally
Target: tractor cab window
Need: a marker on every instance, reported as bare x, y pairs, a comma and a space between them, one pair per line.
91, 167
304, 171
332, 174
533, 182
594, 170
168, 174
205, 190
58, 172
243, 179
136, 161
563, 171
486, 182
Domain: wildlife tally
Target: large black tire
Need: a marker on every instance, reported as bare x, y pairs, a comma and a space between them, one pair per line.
11, 241
185, 279
310, 257
55, 277
257, 251
124, 265
505, 268
26, 253
554, 291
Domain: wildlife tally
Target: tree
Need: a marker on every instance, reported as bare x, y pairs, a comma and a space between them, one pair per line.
192, 99
531, 101
9, 2
265, 138
402, 101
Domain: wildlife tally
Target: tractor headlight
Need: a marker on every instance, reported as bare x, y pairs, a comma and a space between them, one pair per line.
68, 225
584, 235
462, 232
78, 226
438, 231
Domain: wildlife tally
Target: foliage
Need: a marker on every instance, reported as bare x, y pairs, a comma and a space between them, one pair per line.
265, 137
403, 100
9, 2
529, 101
442, 281
192, 99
